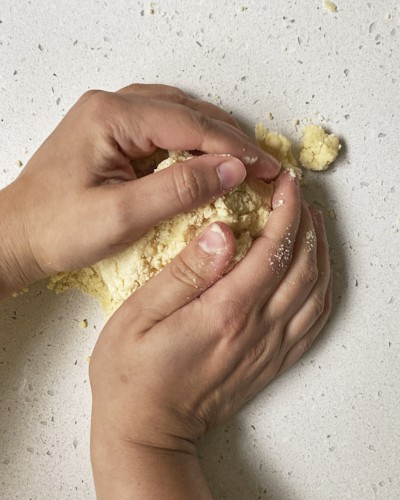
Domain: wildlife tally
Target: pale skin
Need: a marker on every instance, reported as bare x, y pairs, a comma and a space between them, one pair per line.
197, 342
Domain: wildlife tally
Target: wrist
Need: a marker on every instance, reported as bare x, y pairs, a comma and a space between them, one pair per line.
18, 267
128, 470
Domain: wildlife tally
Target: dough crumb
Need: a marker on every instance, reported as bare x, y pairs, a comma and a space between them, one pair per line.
319, 149
331, 6
83, 324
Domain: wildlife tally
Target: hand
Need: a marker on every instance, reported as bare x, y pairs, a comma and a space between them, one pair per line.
189, 348
79, 198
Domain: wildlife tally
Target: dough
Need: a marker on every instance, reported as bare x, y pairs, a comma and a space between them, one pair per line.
112, 280
245, 210
279, 146
319, 149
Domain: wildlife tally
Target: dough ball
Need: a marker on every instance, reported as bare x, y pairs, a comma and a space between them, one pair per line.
319, 149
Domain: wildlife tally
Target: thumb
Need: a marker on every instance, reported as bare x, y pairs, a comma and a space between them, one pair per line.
205, 259
179, 188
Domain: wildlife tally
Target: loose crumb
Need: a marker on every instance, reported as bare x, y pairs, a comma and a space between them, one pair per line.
331, 6
332, 214
83, 324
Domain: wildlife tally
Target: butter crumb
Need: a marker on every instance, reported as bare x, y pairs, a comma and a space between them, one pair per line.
332, 214
83, 324
331, 6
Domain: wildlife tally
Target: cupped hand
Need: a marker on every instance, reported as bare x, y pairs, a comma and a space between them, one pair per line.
79, 199
190, 347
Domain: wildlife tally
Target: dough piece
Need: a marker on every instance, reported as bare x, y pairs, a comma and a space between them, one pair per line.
111, 281
319, 149
279, 146
331, 6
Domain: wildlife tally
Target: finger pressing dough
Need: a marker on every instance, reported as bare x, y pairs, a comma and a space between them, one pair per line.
245, 210
112, 280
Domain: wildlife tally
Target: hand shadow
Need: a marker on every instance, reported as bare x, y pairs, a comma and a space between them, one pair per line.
232, 470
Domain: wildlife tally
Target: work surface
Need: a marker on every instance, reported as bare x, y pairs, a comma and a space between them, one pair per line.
329, 428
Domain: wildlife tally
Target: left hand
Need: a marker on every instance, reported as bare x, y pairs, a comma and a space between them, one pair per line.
79, 199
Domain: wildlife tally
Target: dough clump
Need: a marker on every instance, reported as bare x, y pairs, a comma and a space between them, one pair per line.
278, 146
111, 281
245, 210
319, 149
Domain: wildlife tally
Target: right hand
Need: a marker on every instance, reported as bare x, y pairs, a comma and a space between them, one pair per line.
189, 348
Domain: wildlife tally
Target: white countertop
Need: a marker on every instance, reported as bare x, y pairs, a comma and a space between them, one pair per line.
328, 429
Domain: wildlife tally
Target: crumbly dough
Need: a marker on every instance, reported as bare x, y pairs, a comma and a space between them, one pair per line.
245, 210
319, 149
111, 281
278, 146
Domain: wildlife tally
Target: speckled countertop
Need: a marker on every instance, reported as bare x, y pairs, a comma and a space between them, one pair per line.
328, 429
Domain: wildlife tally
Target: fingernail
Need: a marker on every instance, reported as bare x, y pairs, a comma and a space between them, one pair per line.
213, 240
231, 173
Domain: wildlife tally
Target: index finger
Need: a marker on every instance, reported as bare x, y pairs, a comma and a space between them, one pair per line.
146, 124
175, 94
258, 274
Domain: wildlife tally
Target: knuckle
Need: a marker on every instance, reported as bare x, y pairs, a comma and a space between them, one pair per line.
310, 274
233, 319
318, 305
187, 184
89, 94
201, 122
179, 97
98, 102
306, 343
260, 350
184, 272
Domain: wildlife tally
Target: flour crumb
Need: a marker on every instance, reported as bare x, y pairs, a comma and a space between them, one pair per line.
250, 160
310, 240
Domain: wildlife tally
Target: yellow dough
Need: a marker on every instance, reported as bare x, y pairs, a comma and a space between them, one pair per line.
319, 149
111, 281
278, 146
245, 210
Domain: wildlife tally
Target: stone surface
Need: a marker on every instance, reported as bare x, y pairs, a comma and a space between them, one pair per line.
328, 429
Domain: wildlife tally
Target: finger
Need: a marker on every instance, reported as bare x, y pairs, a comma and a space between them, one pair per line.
205, 259
140, 126
176, 95
263, 364
314, 306
258, 274
306, 341
301, 276
149, 89
176, 189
